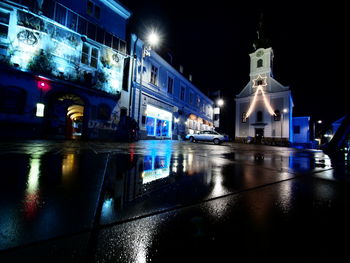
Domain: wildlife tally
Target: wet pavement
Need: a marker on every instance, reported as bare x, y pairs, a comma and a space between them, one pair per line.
170, 201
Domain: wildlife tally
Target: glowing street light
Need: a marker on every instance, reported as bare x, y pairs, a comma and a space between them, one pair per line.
153, 38
220, 102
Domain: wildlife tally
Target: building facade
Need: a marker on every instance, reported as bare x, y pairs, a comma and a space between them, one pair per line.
264, 107
166, 104
62, 68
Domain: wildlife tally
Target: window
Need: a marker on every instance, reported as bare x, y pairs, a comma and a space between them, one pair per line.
296, 129
82, 25
191, 98
115, 44
244, 117
60, 14
259, 116
89, 55
260, 63
170, 85
12, 100
72, 20
182, 93
93, 10
154, 73
104, 112
4, 24
91, 32
277, 117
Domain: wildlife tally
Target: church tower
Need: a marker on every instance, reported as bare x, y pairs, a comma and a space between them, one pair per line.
264, 107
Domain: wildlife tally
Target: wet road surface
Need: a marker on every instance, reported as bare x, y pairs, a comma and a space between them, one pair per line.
170, 201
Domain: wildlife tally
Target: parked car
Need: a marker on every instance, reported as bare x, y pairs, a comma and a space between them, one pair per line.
208, 136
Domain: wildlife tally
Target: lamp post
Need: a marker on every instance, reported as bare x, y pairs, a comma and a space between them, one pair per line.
282, 121
152, 40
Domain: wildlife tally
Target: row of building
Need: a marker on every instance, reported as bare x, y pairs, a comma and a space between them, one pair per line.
71, 69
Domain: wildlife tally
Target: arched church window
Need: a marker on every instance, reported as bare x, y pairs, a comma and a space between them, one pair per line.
277, 116
260, 63
259, 116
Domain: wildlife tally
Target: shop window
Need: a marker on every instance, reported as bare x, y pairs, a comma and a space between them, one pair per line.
260, 63
104, 112
4, 24
12, 100
89, 55
154, 74
150, 123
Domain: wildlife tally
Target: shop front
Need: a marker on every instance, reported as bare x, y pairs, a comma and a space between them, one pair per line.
158, 122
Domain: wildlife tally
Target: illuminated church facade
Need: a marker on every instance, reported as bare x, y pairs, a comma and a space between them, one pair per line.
264, 108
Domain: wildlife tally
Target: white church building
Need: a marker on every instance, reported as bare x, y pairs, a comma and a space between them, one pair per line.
264, 108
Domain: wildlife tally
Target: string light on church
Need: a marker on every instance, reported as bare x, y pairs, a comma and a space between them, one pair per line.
259, 83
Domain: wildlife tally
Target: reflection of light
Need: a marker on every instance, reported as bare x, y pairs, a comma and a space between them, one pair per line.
68, 166
32, 192
107, 208
33, 178
218, 188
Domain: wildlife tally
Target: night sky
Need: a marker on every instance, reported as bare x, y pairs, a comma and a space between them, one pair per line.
212, 41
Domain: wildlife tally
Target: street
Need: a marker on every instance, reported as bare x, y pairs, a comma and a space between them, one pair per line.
170, 201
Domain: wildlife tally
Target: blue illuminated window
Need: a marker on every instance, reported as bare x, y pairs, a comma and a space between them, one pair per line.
150, 123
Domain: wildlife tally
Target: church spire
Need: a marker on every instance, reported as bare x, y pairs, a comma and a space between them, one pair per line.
262, 41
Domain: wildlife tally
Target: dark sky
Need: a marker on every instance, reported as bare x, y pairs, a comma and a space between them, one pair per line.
212, 40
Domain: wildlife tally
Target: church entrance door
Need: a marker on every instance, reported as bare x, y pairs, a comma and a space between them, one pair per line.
259, 135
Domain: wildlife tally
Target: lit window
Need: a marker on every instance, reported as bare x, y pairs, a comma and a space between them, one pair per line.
154, 73
89, 55
4, 22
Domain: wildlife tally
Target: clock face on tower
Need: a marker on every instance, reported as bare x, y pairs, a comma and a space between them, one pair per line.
259, 53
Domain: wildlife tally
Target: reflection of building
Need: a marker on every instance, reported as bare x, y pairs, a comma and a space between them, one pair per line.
62, 67
166, 104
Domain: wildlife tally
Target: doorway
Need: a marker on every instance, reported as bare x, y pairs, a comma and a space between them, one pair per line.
259, 135
67, 117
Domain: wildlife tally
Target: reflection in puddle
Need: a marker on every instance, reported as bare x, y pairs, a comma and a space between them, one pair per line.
32, 195
155, 168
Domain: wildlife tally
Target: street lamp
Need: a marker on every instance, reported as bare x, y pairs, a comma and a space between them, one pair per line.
220, 102
282, 120
152, 41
